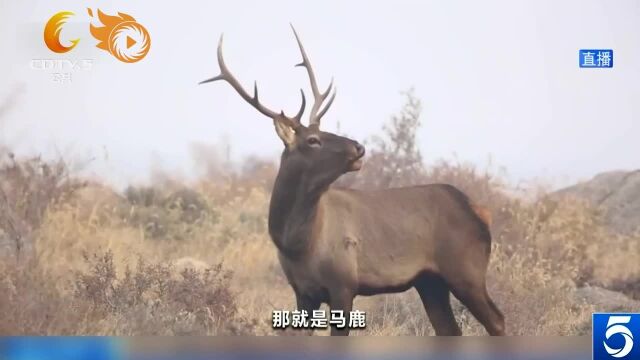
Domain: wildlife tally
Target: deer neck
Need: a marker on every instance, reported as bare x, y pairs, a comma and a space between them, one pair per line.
294, 212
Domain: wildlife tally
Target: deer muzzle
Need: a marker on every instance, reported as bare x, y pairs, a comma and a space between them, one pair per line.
356, 162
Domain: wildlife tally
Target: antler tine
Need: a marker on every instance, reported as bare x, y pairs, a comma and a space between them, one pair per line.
326, 107
297, 119
226, 75
319, 98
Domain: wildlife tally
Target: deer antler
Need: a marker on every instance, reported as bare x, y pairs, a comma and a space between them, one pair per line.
226, 75
316, 114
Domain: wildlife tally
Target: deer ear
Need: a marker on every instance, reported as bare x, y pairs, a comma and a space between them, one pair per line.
285, 132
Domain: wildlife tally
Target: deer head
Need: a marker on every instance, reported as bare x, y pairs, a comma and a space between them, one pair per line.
317, 154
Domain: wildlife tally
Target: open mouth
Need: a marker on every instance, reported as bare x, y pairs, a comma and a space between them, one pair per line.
356, 164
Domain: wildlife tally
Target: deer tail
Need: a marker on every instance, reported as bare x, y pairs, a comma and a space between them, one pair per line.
483, 213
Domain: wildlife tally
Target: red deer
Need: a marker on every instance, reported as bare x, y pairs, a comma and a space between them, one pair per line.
335, 243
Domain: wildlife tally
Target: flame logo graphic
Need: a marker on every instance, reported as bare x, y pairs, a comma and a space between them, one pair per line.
52, 32
121, 36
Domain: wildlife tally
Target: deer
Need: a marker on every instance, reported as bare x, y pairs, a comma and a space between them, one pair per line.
337, 243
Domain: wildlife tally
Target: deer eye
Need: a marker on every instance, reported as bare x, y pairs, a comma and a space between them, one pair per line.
313, 141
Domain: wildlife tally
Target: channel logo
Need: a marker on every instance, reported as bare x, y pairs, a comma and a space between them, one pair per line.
52, 31
615, 336
120, 35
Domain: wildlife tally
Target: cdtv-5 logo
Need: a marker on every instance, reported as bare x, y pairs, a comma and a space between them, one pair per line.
122, 36
616, 336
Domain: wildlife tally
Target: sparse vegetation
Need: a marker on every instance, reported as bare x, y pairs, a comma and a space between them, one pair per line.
170, 259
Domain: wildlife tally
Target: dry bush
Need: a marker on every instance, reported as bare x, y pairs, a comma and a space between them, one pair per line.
237, 239
256, 171
165, 213
570, 233
31, 185
148, 299
543, 249
394, 158
27, 188
143, 195
31, 304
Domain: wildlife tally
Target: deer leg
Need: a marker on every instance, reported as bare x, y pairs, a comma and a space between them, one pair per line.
307, 304
434, 294
477, 300
341, 300
466, 277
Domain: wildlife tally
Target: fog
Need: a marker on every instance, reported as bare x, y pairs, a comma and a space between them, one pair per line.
499, 80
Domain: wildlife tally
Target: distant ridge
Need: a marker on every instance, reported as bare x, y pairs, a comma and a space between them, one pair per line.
616, 194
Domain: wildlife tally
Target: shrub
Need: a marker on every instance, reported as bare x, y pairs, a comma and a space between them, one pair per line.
194, 302
27, 188
164, 213
149, 299
393, 159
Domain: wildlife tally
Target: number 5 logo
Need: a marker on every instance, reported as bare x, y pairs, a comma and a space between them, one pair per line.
614, 326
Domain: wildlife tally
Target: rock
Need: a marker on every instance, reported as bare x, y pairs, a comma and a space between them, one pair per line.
188, 262
605, 300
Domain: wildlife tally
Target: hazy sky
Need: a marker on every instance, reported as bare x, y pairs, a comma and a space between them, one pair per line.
497, 78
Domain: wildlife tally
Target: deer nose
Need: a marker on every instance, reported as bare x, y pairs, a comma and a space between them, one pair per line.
359, 150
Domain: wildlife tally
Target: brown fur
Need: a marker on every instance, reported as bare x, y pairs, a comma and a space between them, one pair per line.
483, 213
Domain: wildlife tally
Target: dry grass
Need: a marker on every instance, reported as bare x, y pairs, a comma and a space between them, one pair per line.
196, 258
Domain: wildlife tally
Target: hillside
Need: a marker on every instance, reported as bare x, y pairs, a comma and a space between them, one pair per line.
616, 194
